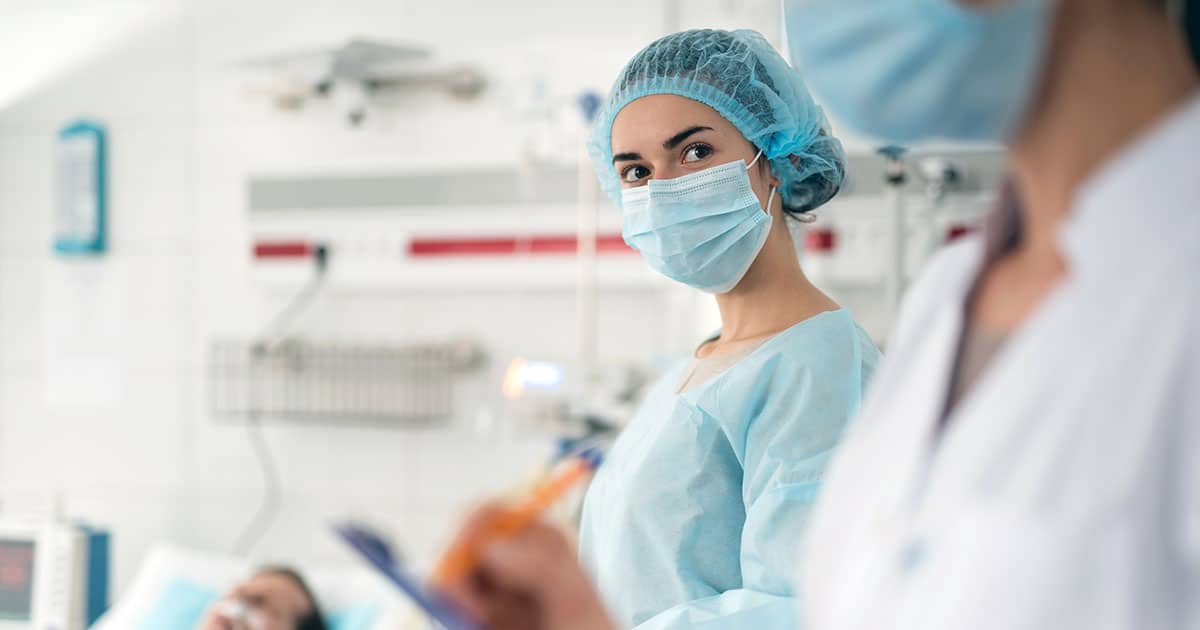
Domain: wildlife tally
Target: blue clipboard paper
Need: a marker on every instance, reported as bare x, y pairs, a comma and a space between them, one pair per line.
379, 554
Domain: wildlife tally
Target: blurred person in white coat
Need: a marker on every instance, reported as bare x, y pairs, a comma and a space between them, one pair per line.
1037, 420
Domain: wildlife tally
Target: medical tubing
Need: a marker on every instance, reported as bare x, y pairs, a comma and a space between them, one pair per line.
276, 330
272, 499
272, 334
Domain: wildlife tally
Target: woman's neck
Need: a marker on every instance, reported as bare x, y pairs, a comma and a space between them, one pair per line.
773, 296
1112, 74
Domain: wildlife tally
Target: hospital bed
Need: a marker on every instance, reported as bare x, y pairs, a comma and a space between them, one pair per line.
174, 587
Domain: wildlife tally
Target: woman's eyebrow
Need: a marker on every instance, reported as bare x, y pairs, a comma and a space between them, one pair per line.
669, 145
678, 138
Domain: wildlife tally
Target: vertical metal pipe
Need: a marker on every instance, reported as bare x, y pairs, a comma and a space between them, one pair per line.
894, 178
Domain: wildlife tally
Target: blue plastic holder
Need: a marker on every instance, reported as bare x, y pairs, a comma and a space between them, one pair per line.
372, 547
81, 198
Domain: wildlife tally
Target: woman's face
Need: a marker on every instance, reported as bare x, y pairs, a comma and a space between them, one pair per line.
664, 136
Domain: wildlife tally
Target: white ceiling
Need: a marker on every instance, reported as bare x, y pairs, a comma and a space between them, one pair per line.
43, 38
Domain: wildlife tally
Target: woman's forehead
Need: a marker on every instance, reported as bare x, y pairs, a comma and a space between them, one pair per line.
650, 120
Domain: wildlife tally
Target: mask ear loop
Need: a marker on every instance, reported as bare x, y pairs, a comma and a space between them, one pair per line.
771, 198
803, 217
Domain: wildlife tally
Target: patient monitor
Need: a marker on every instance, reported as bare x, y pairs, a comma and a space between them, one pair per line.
52, 577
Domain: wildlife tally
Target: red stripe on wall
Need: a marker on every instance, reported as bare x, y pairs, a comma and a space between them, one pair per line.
291, 249
511, 246
820, 240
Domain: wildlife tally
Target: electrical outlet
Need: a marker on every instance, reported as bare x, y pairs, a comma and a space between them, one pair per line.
862, 256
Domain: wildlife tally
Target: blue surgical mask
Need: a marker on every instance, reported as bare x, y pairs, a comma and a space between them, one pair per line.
907, 70
703, 229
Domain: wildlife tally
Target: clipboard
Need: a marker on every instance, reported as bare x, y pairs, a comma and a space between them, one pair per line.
378, 553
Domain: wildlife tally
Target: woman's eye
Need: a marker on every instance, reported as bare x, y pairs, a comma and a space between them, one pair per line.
635, 173
697, 152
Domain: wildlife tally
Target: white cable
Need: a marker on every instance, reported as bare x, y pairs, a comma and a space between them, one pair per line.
268, 508
272, 335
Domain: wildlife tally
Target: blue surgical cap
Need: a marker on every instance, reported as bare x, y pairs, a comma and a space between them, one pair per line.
738, 74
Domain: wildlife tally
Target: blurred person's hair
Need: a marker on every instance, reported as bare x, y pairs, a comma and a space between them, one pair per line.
315, 619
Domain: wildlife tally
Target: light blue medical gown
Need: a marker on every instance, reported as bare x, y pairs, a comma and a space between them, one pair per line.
696, 518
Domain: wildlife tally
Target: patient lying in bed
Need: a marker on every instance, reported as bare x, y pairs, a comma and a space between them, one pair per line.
176, 588
274, 598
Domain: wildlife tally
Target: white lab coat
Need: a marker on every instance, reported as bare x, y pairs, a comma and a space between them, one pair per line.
1065, 493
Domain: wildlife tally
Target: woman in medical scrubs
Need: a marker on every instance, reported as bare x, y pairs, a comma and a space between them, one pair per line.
711, 146
1028, 456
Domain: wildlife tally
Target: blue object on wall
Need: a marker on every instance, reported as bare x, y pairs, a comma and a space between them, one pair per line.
81, 190
98, 567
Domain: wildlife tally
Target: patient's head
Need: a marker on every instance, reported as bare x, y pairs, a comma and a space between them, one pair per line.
274, 598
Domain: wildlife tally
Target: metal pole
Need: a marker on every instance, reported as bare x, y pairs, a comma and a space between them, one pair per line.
894, 179
585, 303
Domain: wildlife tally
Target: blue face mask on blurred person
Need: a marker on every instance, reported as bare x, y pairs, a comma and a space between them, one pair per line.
703, 229
906, 70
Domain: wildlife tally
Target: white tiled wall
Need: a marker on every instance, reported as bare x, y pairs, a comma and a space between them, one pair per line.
155, 467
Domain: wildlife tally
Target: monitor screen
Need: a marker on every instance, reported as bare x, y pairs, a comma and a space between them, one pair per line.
16, 579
